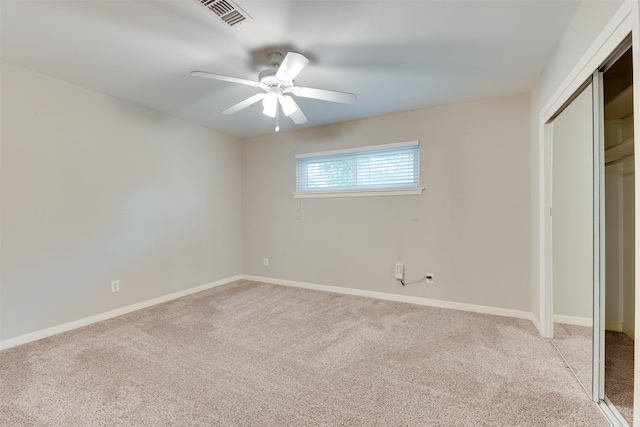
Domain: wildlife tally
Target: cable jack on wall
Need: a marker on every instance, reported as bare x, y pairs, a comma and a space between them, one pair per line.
429, 277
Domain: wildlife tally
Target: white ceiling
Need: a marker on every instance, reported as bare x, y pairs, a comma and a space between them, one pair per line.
395, 55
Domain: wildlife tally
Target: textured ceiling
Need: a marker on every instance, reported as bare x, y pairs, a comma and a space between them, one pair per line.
395, 55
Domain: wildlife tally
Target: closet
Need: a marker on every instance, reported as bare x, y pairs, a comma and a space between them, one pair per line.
592, 235
619, 231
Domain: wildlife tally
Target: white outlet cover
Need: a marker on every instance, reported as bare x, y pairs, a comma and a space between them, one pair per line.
399, 271
266, 262
115, 286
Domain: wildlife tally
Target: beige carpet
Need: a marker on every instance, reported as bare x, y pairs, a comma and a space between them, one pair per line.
618, 372
576, 345
253, 354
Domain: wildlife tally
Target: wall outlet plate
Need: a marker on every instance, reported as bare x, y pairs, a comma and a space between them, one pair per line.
265, 262
115, 286
431, 278
399, 271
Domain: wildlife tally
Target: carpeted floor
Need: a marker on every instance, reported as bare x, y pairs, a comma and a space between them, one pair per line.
576, 345
618, 372
254, 354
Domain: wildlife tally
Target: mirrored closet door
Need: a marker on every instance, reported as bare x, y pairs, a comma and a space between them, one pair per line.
572, 235
619, 250
592, 236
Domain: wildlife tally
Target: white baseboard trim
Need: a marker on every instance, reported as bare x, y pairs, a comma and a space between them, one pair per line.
572, 320
44, 333
629, 331
65, 327
399, 298
537, 324
613, 326
620, 327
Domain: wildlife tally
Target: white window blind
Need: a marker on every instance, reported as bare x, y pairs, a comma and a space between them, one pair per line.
383, 167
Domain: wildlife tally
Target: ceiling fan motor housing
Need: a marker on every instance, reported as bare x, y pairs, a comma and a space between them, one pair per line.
268, 78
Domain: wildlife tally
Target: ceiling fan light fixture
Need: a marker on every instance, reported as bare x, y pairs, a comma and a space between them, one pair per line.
270, 104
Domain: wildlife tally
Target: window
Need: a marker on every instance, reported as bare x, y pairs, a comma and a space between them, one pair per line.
389, 169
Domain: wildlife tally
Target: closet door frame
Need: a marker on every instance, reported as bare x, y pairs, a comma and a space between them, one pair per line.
616, 32
599, 246
594, 86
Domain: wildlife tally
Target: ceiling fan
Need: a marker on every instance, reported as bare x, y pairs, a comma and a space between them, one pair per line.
278, 85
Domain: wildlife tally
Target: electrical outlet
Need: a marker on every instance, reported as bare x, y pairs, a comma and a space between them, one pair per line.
265, 262
431, 278
115, 286
399, 271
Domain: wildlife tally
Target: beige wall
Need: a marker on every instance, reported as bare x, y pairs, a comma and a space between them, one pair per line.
94, 189
470, 227
620, 231
630, 259
615, 237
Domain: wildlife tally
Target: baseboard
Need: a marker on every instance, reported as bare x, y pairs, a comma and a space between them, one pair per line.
65, 327
629, 331
572, 320
400, 298
34, 336
620, 327
613, 326
537, 324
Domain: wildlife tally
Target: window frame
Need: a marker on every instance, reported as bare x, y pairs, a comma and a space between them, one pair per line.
360, 192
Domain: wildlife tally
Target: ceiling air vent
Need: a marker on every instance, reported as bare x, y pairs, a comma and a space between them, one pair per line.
230, 13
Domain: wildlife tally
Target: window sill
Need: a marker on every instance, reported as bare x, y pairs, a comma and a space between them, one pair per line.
359, 193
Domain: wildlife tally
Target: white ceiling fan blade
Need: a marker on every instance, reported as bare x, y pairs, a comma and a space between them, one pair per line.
244, 104
288, 105
298, 116
291, 66
291, 109
225, 78
325, 95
